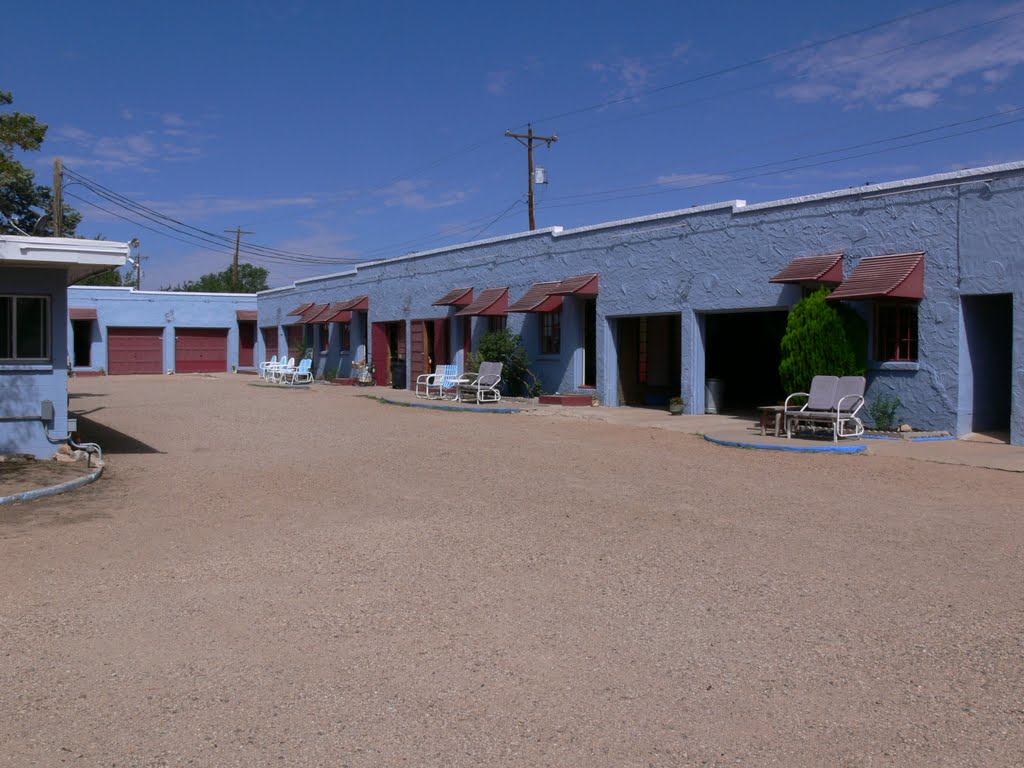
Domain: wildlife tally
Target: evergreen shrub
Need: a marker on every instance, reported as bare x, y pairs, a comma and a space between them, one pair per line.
822, 339
507, 348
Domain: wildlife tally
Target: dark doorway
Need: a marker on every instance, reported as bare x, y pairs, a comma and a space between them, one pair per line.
388, 342
988, 327
741, 350
82, 331
590, 342
246, 343
649, 352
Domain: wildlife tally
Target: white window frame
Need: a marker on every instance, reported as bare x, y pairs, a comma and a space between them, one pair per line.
13, 324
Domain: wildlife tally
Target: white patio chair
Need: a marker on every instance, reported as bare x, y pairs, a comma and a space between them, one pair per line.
282, 371
266, 366
482, 386
301, 375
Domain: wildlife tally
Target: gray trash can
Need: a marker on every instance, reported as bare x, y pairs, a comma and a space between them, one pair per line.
713, 389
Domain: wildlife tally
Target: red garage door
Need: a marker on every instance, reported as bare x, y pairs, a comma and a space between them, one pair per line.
135, 350
201, 350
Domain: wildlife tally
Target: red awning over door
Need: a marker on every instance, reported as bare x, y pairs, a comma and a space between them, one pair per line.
492, 302
83, 313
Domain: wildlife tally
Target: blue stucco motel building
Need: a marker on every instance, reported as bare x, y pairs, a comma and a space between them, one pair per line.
638, 310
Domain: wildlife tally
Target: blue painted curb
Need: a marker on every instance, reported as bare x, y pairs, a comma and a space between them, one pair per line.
433, 407
931, 439
53, 490
909, 439
789, 448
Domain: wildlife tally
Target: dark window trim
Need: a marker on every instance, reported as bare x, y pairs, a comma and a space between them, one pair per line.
895, 332
12, 323
551, 333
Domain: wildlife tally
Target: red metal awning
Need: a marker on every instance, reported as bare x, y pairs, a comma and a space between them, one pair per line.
458, 297
312, 314
812, 269
301, 309
492, 302
536, 295
341, 311
547, 297
900, 276
245, 314
83, 313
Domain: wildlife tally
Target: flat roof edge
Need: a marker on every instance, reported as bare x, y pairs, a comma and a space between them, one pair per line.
891, 186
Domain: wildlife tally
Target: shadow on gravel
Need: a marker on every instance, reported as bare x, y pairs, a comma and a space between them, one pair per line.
76, 395
110, 440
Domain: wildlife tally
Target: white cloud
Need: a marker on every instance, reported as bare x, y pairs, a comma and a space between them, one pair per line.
172, 139
410, 193
888, 69
691, 179
497, 82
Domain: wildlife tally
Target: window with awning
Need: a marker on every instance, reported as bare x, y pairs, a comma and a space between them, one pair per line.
827, 268
899, 276
492, 302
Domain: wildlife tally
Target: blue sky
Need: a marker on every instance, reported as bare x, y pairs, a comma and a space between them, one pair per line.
354, 131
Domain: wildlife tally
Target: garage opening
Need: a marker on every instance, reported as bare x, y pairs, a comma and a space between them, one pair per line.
201, 350
135, 350
649, 354
741, 358
988, 327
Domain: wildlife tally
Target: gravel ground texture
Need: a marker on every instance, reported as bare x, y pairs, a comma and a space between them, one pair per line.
312, 578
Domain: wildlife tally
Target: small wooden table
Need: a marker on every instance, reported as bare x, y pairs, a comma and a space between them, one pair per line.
766, 412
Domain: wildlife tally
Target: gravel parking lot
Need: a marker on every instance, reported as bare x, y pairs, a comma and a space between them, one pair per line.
312, 578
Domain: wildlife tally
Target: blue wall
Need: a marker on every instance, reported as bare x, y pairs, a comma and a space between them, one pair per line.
970, 224
24, 386
126, 307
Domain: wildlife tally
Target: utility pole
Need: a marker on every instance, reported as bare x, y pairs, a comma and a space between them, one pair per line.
138, 270
530, 138
58, 197
238, 239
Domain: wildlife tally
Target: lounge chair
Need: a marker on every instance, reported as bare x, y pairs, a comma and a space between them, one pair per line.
427, 382
284, 369
265, 366
482, 386
302, 374
840, 414
449, 388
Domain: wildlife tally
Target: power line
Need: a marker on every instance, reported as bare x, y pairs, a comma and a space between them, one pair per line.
744, 65
718, 182
798, 158
757, 86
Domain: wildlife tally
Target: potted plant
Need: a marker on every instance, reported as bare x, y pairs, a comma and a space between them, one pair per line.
676, 405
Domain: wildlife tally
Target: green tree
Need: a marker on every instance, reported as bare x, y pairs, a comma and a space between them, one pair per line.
114, 277
250, 280
23, 203
821, 339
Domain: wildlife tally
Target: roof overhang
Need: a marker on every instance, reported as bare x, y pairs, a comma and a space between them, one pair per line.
457, 297
314, 314
492, 302
83, 313
246, 315
827, 268
549, 296
78, 258
898, 276
341, 311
